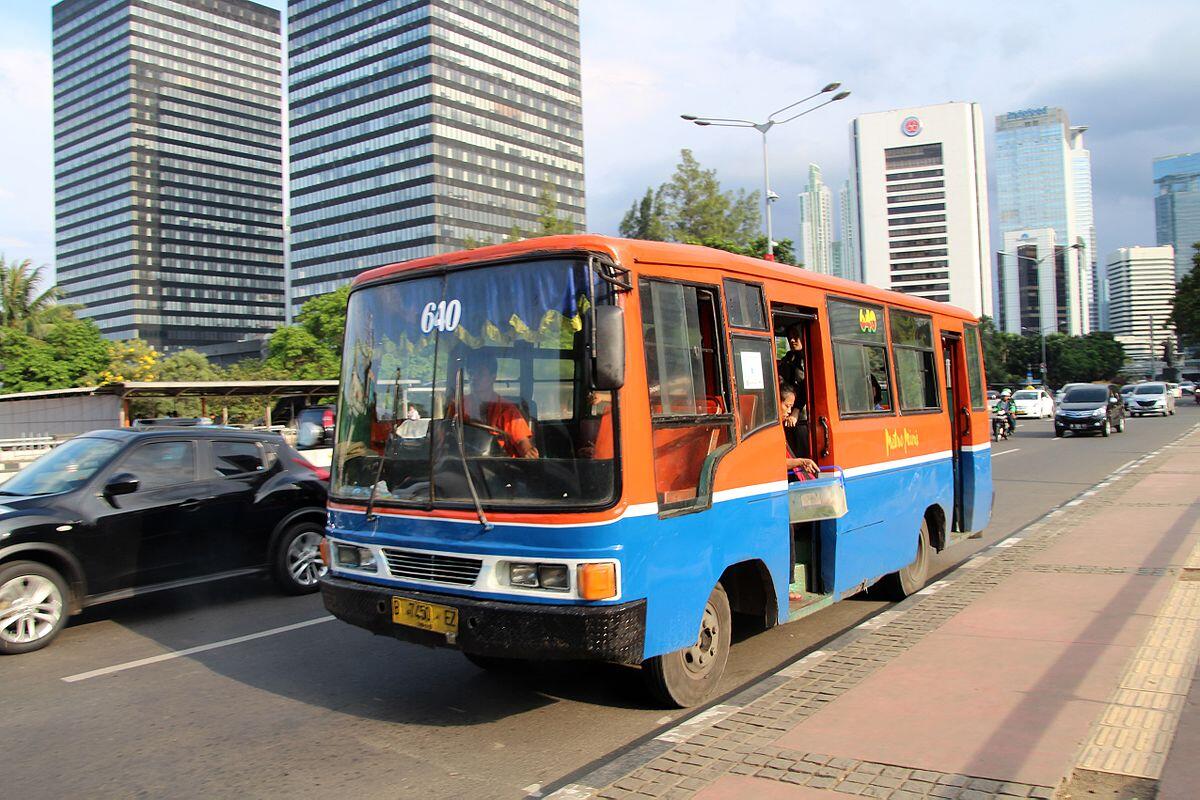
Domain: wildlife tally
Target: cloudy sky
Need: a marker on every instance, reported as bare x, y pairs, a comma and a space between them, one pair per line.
1129, 71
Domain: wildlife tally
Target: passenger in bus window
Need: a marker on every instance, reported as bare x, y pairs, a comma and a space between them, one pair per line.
793, 369
483, 404
799, 467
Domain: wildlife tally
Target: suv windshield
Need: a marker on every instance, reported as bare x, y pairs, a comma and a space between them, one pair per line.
481, 369
64, 468
1086, 394
1150, 388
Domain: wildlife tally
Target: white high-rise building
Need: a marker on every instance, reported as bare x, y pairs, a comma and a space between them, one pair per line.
816, 224
849, 222
1141, 284
1043, 180
920, 189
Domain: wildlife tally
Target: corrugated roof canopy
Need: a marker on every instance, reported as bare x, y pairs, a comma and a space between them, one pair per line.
145, 389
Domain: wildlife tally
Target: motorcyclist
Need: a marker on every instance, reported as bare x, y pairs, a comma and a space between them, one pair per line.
1008, 407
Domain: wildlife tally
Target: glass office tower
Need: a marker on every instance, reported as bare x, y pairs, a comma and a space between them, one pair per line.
419, 128
168, 154
1177, 206
1043, 181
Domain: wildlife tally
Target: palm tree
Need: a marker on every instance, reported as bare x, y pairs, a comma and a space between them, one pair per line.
21, 304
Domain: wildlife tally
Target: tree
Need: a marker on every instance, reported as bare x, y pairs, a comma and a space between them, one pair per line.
785, 252
1185, 307
296, 353
21, 304
186, 365
695, 208
645, 218
130, 360
549, 222
324, 317
72, 353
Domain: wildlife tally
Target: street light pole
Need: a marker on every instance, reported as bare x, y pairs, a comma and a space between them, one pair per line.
769, 196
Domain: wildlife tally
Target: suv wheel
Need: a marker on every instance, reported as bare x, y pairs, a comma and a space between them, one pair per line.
296, 564
33, 606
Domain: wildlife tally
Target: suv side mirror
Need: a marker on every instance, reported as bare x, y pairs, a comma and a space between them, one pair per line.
121, 483
608, 357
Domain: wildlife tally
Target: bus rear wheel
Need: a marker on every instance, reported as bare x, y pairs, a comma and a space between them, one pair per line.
687, 677
910, 579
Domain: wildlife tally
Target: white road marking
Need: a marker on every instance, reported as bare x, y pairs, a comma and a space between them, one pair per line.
141, 662
1004, 452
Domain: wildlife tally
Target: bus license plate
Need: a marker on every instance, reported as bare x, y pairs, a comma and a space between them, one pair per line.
426, 616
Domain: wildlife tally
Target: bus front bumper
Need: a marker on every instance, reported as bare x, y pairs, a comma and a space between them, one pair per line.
533, 631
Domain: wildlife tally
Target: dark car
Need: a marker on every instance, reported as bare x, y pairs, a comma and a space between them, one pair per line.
112, 514
314, 427
1090, 408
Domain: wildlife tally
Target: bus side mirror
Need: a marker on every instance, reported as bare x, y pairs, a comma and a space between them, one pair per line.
608, 365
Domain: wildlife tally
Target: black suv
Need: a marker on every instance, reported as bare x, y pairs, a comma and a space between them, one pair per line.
1089, 408
115, 513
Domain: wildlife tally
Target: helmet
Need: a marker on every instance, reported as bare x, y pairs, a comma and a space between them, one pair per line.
1006, 393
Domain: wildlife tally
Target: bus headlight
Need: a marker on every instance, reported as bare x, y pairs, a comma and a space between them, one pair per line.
349, 556
552, 577
523, 575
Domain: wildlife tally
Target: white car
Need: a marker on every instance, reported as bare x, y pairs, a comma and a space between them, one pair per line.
1034, 403
1150, 398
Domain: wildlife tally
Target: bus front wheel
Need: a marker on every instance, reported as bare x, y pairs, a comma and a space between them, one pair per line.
910, 579
687, 677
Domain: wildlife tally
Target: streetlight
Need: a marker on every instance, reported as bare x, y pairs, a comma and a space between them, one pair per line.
1038, 261
762, 127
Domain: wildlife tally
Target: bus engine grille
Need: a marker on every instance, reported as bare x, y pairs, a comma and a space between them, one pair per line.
432, 567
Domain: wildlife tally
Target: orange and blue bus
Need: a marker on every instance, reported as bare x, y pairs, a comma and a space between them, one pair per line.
576, 447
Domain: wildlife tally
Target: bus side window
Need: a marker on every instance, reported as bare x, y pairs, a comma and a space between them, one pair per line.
860, 358
688, 393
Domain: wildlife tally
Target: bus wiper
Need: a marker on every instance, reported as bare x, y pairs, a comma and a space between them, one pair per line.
462, 450
387, 441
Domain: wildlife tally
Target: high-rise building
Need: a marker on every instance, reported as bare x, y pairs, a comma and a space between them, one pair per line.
849, 227
426, 127
168, 167
1177, 207
1032, 283
1141, 284
1043, 180
816, 224
920, 186
835, 259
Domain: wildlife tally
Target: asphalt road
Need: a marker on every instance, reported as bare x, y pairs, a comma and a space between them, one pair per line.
324, 708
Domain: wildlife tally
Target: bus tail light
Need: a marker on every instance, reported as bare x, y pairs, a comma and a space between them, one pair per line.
598, 581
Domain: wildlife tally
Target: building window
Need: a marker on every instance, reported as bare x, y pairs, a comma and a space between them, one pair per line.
921, 155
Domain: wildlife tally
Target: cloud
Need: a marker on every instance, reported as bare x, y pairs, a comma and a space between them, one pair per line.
1127, 72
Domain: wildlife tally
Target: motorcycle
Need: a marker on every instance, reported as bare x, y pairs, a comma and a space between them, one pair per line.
1001, 425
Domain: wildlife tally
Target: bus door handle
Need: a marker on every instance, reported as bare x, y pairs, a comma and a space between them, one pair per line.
966, 412
824, 423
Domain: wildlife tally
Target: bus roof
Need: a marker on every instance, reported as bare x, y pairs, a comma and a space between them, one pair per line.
631, 252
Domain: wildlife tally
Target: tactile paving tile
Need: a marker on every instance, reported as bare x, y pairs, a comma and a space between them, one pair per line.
1134, 733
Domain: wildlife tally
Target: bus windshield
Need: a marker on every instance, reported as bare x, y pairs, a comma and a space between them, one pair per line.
475, 381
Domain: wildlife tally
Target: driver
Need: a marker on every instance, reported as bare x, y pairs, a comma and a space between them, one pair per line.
482, 404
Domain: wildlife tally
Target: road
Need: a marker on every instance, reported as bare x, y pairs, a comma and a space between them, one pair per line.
321, 707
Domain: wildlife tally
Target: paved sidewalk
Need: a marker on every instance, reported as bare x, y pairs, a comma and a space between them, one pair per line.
1056, 663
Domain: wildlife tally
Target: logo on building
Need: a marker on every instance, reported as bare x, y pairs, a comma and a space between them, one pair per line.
867, 321
911, 126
